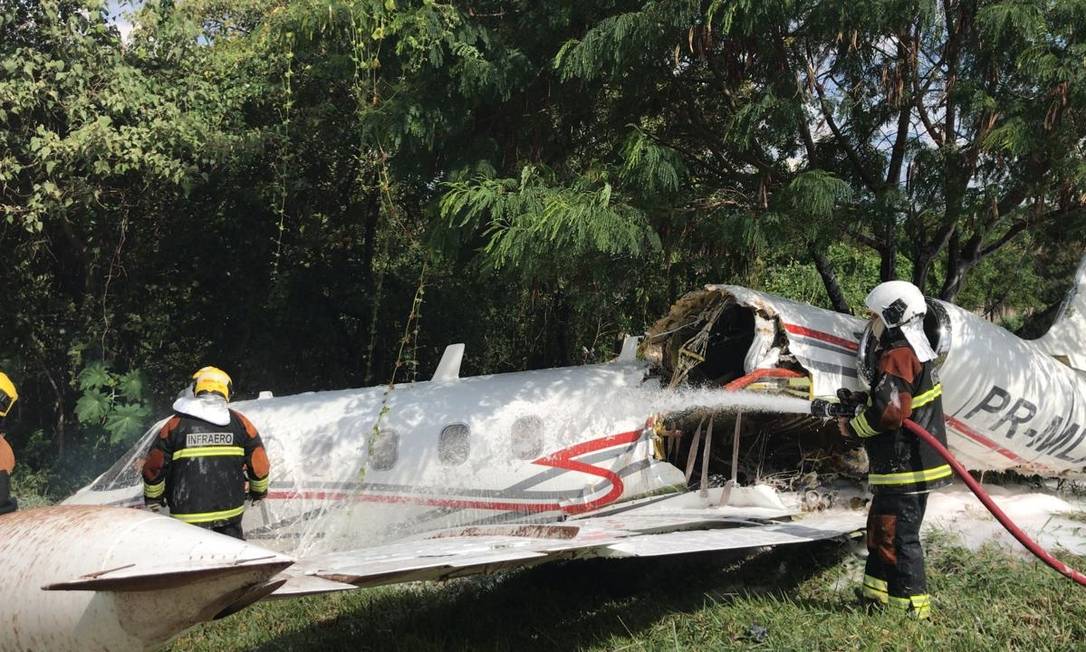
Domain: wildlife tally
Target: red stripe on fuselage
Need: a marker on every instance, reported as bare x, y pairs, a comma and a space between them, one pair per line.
562, 460
964, 429
819, 335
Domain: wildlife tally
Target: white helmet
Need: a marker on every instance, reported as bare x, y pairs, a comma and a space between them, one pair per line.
900, 304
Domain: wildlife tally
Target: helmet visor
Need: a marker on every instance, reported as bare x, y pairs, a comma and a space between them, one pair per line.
918, 340
6, 401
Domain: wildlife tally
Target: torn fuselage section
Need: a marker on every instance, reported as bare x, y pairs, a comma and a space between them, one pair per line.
734, 338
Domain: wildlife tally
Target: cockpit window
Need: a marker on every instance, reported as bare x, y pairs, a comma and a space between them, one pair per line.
125, 472
384, 450
527, 437
454, 445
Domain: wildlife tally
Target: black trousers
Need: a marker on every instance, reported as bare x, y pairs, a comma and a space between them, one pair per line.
895, 563
229, 528
7, 501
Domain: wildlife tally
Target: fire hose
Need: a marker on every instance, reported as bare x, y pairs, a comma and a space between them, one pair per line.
851, 403
983, 496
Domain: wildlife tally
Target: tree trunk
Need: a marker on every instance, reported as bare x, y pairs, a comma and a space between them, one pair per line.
888, 268
829, 279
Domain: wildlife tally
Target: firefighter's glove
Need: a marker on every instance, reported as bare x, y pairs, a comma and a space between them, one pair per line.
257, 496
154, 504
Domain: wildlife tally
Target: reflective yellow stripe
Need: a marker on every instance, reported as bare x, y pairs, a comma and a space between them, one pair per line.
154, 490
259, 486
874, 594
917, 606
909, 477
928, 396
861, 426
209, 451
876, 583
875, 589
207, 517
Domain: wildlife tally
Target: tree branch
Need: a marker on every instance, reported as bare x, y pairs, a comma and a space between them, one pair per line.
829, 279
1021, 225
865, 239
897, 153
850, 152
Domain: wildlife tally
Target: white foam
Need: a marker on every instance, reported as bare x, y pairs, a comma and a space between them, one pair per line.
1040, 514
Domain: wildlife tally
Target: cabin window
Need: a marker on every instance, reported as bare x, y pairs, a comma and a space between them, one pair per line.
527, 437
384, 450
454, 446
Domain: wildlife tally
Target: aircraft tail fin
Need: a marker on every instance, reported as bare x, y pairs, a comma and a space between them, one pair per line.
1066, 340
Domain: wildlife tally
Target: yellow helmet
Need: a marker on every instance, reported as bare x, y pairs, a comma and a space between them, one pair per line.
212, 379
8, 395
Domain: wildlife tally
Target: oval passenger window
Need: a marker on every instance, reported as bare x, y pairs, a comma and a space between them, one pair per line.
453, 447
384, 450
527, 437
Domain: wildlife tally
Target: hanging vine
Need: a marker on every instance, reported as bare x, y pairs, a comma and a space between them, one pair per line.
285, 152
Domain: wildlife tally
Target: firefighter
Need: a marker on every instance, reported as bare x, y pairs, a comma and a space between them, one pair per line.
903, 469
8, 396
203, 456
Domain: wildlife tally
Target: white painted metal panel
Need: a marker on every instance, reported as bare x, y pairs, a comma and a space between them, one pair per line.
827, 525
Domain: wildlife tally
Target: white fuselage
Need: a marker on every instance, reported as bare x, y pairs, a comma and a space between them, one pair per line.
1008, 403
356, 467
522, 446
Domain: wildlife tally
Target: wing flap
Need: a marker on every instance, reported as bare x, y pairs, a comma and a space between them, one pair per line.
298, 585
815, 528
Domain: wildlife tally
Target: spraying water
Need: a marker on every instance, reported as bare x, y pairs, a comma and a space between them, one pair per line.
714, 400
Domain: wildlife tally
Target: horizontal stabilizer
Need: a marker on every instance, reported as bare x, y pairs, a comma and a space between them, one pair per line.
150, 578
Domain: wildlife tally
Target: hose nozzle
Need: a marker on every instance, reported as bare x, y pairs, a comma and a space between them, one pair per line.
823, 409
850, 404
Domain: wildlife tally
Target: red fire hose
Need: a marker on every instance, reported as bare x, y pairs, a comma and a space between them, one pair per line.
975, 487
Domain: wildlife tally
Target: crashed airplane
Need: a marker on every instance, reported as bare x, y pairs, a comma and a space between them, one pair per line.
696, 438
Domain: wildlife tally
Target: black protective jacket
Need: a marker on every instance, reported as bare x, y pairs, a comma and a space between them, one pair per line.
200, 469
904, 388
7, 464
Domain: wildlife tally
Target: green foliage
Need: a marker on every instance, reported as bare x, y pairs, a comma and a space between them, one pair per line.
653, 168
522, 218
259, 184
610, 46
112, 403
818, 193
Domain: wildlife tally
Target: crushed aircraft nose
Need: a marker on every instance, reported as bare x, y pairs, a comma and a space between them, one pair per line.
106, 578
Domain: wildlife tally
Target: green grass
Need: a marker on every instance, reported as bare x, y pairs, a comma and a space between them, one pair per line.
801, 595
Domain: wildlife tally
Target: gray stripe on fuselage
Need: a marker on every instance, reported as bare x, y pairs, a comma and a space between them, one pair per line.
848, 353
828, 366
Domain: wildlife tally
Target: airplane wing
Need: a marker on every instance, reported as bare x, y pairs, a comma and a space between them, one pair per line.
633, 533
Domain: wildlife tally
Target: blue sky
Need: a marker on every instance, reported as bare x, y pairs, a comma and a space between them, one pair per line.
117, 9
